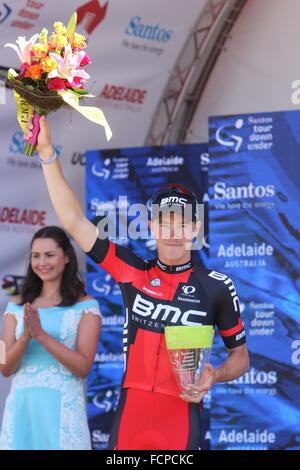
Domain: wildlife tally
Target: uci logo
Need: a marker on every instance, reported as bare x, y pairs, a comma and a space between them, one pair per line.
188, 289
232, 140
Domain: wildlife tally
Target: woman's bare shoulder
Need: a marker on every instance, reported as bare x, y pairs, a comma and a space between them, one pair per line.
85, 297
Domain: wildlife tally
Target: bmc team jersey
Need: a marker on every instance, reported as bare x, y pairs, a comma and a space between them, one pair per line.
150, 414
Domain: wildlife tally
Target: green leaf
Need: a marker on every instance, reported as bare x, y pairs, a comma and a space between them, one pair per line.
28, 81
72, 25
78, 91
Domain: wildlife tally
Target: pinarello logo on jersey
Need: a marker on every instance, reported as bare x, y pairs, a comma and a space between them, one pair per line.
91, 14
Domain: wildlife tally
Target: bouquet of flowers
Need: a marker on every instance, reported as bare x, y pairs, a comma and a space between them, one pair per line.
52, 75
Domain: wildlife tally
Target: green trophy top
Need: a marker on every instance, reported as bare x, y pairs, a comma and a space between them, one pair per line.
186, 337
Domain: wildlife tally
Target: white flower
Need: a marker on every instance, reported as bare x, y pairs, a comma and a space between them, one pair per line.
24, 48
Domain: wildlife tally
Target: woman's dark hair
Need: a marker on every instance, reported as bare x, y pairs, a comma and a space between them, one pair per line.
72, 286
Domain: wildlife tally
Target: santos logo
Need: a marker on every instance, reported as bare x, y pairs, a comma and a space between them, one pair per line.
156, 32
99, 437
232, 141
145, 308
257, 377
222, 191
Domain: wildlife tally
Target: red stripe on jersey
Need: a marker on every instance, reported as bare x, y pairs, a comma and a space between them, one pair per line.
233, 330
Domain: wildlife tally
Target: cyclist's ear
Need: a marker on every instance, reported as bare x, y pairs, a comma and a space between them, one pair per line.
151, 225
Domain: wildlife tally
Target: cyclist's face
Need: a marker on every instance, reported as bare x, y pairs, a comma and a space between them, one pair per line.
174, 234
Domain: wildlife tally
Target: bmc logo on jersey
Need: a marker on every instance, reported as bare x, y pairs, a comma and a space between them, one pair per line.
173, 200
228, 282
164, 312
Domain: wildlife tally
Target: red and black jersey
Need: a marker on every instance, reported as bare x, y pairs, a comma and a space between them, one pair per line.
156, 295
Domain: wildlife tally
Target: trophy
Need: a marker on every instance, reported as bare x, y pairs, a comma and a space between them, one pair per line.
189, 350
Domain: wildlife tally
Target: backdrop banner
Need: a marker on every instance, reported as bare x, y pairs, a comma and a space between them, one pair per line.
115, 180
255, 233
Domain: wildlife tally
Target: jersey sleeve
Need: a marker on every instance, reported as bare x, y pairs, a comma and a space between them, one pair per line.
228, 317
120, 262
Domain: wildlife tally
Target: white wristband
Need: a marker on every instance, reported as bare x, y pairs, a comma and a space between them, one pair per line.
46, 162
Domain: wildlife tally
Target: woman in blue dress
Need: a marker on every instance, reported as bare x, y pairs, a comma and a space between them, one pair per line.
51, 332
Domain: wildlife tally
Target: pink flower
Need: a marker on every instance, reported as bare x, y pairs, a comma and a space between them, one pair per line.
85, 61
68, 66
24, 68
76, 83
56, 84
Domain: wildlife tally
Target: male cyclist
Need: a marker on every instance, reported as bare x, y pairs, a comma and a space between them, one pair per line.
152, 413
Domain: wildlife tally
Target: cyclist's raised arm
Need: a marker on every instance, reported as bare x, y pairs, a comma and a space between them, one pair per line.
65, 203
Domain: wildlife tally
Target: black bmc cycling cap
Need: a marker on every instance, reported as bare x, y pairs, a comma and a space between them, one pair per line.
175, 196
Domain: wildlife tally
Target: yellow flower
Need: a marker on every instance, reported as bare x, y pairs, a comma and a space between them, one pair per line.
48, 64
60, 28
40, 50
44, 36
57, 41
78, 41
